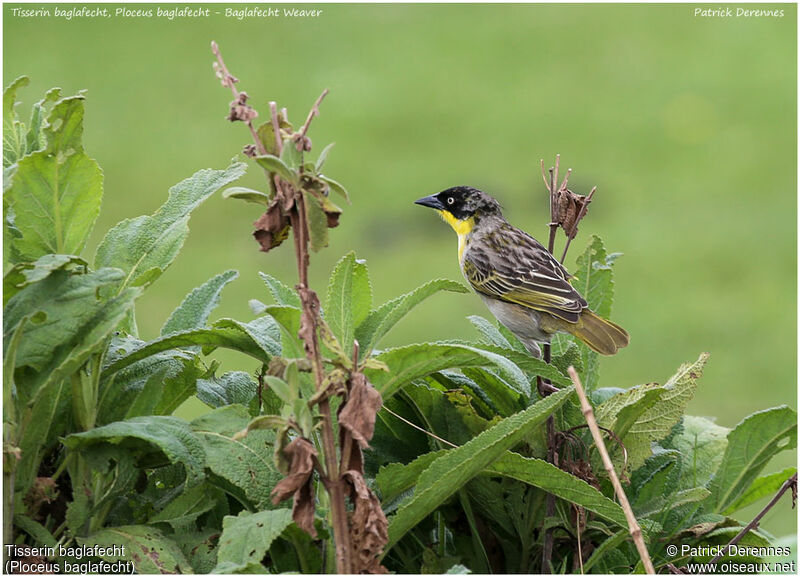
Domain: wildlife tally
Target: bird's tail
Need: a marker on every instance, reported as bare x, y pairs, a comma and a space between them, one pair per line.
599, 334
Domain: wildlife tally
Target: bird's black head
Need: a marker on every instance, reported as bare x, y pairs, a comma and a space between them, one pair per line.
462, 203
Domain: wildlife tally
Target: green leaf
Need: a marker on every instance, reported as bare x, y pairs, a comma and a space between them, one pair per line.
68, 323
199, 547
230, 388
282, 294
452, 470
134, 391
672, 501
276, 165
143, 247
290, 156
24, 274
381, 320
195, 309
187, 506
288, 318
317, 222
703, 442
503, 396
656, 420
395, 479
489, 331
40, 535
169, 435
530, 365
323, 156
148, 548
751, 445
764, 486
335, 187
56, 192
609, 544
594, 279
242, 467
13, 138
339, 313
418, 360
550, 478
41, 424
247, 194
258, 339
247, 538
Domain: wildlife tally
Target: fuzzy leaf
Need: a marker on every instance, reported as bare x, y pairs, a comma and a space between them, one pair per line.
170, 435
247, 538
751, 445
56, 192
228, 389
705, 441
560, 483
418, 360
395, 479
276, 165
150, 550
338, 301
656, 421
259, 339
764, 486
381, 320
143, 247
187, 506
489, 331
335, 187
282, 294
195, 309
24, 274
242, 467
594, 280
67, 324
317, 222
13, 138
456, 467
247, 194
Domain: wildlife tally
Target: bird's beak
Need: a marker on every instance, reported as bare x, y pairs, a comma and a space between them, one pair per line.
430, 201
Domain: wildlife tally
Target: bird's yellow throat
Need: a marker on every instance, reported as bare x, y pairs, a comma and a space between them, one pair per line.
462, 228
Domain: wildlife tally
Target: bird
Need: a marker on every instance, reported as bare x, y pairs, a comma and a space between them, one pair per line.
521, 283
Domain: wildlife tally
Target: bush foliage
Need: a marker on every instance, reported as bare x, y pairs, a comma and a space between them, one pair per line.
94, 455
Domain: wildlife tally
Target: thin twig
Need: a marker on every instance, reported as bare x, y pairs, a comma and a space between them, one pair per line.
276, 126
578, 530
790, 483
312, 113
417, 427
633, 524
230, 81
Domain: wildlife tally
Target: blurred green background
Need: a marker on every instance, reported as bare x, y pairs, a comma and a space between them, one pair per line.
687, 125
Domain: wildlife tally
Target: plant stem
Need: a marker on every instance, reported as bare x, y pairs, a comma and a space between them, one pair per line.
341, 535
633, 524
791, 482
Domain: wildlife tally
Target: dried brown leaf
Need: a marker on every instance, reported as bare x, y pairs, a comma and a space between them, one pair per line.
303, 508
369, 529
301, 454
360, 410
272, 228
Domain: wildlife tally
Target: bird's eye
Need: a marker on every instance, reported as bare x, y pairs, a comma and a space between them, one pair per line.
450, 200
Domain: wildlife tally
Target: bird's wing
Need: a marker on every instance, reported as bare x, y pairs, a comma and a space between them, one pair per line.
511, 266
